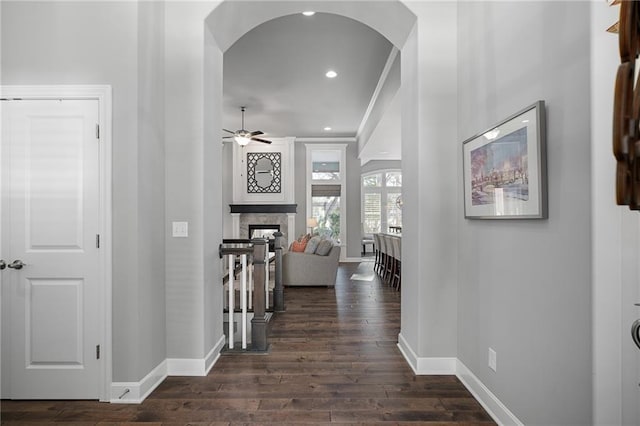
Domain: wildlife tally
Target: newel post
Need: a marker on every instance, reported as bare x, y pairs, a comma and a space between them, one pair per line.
278, 291
259, 321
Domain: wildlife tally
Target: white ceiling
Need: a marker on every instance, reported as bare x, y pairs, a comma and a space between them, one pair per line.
277, 71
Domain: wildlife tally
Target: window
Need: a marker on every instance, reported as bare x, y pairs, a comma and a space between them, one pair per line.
372, 181
325, 165
381, 201
325, 188
372, 212
325, 207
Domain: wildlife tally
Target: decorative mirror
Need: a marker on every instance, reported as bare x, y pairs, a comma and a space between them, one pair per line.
264, 172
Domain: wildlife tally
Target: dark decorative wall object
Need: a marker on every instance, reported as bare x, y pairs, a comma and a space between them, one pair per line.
626, 108
264, 172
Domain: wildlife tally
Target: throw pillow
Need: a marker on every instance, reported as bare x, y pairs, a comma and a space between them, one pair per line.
324, 247
312, 245
298, 246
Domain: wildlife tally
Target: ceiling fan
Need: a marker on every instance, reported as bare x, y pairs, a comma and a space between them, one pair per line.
242, 136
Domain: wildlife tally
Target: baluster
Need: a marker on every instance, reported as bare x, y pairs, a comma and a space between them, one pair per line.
251, 285
243, 301
278, 290
259, 321
231, 297
266, 277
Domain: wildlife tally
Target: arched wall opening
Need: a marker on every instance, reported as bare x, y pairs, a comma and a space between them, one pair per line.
424, 32
231, 20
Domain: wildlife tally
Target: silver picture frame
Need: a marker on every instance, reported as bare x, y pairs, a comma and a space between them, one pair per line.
505, 168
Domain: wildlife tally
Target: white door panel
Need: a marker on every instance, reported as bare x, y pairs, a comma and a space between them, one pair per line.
51, 175
53, 304
55, 198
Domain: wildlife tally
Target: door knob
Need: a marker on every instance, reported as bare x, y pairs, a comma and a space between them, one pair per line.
635, 332
3, 264
17, 264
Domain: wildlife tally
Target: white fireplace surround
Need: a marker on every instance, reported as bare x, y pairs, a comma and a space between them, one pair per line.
241, 222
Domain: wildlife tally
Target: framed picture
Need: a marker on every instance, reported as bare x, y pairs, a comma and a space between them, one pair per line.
505, 170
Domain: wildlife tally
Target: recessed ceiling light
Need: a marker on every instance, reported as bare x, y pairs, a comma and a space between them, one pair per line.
308, 13
331, 74
525, 121
327, 128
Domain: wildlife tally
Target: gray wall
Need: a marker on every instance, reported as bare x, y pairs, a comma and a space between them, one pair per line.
300, 188
352, 199
194, 192
525, 286
81, 46
353, 202
429, 184
151, 180
214, 206
227, 188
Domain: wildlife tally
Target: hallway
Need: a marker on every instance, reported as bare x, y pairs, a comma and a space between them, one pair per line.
333, 359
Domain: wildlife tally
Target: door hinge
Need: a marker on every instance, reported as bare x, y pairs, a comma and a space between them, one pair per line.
97, 131
97, 240
97, 351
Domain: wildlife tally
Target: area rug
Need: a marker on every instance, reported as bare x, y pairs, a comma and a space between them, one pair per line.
364, 272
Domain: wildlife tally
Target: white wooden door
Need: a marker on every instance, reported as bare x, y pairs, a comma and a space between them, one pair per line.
50, 178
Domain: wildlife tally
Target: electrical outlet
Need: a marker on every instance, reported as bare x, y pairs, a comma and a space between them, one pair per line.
492, 359
180, 229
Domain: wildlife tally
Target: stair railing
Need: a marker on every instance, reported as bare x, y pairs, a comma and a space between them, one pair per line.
254, 259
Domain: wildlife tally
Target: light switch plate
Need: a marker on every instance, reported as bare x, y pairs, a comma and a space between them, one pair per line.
492, 359
181, 229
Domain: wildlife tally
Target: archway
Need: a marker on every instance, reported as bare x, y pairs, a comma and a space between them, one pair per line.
231, 20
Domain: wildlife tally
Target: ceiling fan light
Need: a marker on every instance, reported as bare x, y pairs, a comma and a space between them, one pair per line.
241, 140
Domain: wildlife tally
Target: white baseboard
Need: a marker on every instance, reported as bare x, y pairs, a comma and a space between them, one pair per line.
453, 366
214, 354
408, 353
136, 392
496, 409
195, 366
426, 366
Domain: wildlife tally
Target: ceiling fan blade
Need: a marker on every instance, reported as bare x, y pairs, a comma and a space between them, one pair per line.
227, 137
261, 140
229, 131
256, 133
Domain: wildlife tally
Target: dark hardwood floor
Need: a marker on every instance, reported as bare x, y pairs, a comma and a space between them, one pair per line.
333, 359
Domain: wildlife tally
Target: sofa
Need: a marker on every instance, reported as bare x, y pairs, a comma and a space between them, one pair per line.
308, 269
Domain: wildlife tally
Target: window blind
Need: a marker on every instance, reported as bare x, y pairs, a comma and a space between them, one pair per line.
325, 190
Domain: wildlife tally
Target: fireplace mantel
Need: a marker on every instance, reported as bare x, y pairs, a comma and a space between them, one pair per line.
263, 208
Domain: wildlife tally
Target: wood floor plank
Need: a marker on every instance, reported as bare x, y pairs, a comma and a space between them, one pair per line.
333, 360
